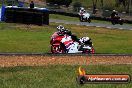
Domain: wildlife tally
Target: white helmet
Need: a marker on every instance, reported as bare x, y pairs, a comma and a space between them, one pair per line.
60, 27
84, 39
114, 10
81, 8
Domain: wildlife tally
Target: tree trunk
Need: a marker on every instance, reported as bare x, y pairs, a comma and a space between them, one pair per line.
94, 6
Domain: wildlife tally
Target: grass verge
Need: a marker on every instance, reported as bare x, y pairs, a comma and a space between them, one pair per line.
62, 17
68, 18
58, 76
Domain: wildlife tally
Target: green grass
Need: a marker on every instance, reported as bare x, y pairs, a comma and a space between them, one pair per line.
62, 17
24, 38
68, 18
58, 76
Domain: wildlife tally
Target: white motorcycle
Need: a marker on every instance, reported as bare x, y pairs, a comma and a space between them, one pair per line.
84, 17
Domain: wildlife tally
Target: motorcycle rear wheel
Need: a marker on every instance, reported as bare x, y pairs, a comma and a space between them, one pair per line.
87, 51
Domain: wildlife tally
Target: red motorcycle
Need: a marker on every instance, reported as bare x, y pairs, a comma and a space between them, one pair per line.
57, 47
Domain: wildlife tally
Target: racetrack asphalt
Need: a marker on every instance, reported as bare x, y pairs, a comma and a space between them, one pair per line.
110, 26
50, 54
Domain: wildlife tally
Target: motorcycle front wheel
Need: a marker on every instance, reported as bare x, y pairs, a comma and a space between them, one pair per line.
56, 49
113, 22
121, 22
89, 20
81, 19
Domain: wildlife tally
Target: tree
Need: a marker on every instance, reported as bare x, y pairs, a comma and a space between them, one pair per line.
126, 4
76, 6
94, 6
102, 3
122, 2
60, 2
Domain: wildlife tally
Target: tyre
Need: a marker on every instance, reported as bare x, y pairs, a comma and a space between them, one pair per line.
89, 51
86, 51
113, 22
89, 20
81, 20
121, 22
55, 48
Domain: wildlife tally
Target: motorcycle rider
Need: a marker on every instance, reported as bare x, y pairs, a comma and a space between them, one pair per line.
114, 15
70, 46
82, 10
84, 16
73, 36
60, 28
57, 33
61, 31
70, 42
86, 40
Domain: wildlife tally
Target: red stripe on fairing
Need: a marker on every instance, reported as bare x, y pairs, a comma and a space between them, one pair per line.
67, 43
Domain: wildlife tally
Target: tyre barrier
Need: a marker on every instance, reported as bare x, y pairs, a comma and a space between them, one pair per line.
38, 16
